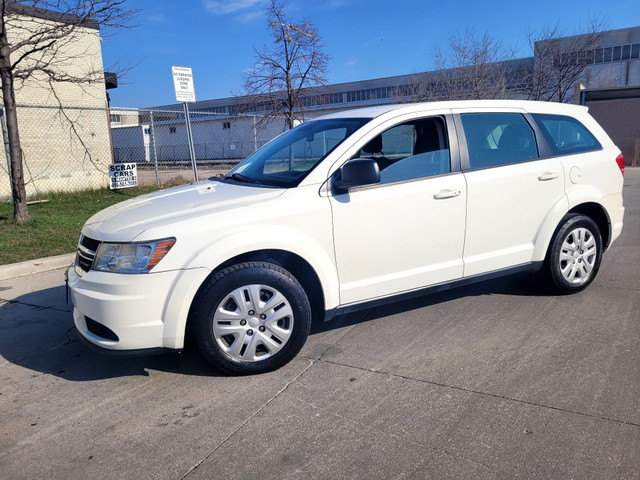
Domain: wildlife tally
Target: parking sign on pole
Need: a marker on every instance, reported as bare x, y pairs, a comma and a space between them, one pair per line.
185, 93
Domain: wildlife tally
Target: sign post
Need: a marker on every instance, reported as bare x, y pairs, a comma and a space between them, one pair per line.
185, 93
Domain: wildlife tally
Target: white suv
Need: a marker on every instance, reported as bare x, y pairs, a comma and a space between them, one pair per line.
342, 212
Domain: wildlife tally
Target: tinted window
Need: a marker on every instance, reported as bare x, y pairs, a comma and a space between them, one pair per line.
498, 139
286, 160
305, 152
566, 134
410, 150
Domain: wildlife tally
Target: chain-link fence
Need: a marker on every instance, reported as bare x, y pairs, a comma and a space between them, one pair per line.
71, 148
62, 149
157, 141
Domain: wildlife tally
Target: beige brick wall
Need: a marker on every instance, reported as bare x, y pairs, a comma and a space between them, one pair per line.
64, 148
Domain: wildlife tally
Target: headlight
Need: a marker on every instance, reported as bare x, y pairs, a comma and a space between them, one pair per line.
138, 257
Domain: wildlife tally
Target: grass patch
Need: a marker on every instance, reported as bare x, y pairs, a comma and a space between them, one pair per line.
56, 225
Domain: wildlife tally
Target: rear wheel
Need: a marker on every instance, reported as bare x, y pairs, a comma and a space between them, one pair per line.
251, 318
575, 254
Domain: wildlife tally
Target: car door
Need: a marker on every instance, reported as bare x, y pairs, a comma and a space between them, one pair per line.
513, 184
407, 231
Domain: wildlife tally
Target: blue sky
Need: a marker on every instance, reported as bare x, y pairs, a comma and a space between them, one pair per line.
365, 38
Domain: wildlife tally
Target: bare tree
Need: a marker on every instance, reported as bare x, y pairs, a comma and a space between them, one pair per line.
33, 51
286, 71
474, 66
560, 60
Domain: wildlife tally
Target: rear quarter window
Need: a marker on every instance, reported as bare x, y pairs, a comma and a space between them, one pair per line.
566, 135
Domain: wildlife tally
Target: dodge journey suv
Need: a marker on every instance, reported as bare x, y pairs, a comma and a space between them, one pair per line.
344, 211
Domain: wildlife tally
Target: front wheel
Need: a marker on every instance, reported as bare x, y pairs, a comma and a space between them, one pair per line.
575, 254
251, 318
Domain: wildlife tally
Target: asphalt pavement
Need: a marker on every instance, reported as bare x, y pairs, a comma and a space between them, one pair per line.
496, 380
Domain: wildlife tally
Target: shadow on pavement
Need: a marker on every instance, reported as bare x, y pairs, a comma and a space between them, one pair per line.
522, 284
37, 333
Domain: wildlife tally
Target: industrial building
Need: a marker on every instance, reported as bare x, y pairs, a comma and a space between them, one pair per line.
64, 127
613, 66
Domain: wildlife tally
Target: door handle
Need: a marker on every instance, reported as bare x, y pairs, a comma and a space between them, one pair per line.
447, 193
548, 176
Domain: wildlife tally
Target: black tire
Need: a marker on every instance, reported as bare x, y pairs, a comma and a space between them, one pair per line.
259, 340
574, 269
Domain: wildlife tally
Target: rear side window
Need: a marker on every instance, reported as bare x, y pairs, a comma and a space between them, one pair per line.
566, 134
498, 139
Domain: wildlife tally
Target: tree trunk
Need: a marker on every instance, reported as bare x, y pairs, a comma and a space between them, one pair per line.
18, 191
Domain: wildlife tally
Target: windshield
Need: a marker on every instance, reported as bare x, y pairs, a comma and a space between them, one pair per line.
286, 160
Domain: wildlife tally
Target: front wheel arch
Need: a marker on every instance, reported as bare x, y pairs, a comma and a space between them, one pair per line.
299, 268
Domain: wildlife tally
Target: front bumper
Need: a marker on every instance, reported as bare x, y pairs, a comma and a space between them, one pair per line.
118, 312
142, 352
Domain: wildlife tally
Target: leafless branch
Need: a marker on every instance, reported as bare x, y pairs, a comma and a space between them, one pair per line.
474, 66
287, 71
561, 60
38, 49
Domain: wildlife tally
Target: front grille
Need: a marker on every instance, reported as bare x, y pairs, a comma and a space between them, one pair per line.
100, 330
86, 254
89, 243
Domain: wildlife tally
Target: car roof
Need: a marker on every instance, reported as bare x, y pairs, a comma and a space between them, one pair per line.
527, 105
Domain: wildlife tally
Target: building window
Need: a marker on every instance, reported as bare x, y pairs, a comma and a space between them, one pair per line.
172, 129
597, 58
217, 110
146, 131
359, 95
115, 118
226, 125
617, 51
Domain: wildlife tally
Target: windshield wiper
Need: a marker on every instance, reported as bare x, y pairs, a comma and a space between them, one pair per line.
238, 177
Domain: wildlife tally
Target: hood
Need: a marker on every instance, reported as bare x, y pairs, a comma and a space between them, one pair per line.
127, 220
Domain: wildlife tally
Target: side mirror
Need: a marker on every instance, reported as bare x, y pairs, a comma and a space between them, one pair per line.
355, 173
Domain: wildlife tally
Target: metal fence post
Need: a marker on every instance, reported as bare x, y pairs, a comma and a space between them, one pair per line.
152, 133
5, 138
255, 135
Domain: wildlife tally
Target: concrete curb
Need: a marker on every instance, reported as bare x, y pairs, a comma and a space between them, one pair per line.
31, 267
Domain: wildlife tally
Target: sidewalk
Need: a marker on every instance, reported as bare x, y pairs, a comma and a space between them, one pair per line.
39, 265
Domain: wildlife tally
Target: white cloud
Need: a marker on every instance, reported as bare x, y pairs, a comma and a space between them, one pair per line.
251, 16
375, 41
333, 4
230, 6
157, 18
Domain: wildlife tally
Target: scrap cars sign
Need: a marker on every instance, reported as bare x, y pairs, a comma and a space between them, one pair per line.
123, 175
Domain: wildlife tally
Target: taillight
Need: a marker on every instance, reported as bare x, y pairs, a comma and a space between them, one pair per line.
620, 162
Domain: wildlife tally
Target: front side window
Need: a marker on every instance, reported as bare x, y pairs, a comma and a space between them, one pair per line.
410, 150
285, 161
498, 139
566, 135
